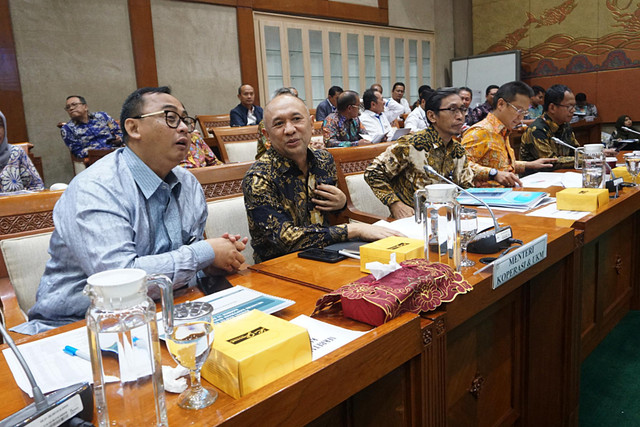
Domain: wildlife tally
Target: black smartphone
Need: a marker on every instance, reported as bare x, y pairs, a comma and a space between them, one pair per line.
211, 284
323, 255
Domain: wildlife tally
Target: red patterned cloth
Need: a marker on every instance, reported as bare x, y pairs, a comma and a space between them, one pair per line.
416, 287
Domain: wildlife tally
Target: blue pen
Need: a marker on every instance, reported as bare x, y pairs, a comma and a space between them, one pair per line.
72, 351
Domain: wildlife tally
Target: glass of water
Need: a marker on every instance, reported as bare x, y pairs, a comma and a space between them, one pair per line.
632, 161
468, 229
189, 344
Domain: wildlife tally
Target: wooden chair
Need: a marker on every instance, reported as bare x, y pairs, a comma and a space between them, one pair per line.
237, 144
312, 111
316, 133
222, 186
26, 223
95, 155
208, 123
362, 203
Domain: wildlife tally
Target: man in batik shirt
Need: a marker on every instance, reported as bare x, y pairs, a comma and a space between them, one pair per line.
396, 174
88, 131
200, 154
487, 142
343, 128
291, 190
481, 111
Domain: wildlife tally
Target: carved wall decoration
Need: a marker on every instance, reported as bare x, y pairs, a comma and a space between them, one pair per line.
26, 222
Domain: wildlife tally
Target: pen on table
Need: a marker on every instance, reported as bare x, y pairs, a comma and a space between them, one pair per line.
72, 351
349, 254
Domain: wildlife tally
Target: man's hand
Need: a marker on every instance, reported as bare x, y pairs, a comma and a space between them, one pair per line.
228, 256
541, 163
369, 233
508, 179
240, 242
317, 144
400, 210
610, 152
331, 198
363, 142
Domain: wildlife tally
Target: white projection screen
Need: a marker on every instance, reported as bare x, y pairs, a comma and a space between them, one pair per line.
478, 72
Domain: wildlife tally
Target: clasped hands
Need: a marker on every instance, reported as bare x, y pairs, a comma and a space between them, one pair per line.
228, 250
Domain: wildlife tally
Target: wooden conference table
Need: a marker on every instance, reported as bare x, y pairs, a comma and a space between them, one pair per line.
491, 357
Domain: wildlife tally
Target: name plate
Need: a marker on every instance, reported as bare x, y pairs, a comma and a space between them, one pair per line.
509, 266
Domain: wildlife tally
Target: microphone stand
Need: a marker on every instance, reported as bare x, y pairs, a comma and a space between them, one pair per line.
487, 242
612, 184
624, 144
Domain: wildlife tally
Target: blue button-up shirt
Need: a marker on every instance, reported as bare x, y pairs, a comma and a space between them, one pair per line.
100, 132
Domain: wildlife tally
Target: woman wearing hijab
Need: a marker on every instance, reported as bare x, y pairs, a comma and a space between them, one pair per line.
16, 170
621, 134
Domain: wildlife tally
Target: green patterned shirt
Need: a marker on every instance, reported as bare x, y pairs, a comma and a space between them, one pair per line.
397, 173
282, 218
537, 143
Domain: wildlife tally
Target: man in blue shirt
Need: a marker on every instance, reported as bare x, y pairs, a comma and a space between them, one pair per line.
328, 106
136, 208
245, 113
88, 131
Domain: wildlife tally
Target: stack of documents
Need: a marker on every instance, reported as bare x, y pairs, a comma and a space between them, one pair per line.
503, 198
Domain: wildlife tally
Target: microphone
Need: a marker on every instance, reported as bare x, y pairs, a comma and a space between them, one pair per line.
487, 242
612, 184
69, 403
630, 130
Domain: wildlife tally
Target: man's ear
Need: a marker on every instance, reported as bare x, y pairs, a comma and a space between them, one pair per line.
432, 116
132, 126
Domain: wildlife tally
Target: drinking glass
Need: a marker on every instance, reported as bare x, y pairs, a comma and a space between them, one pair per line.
468, 229
189, 345
633, 165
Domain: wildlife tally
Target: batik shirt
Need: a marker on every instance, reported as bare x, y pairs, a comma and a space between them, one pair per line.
263, 141
534, 112
282, 218
341, 132
397, 173
98, 133
200, 154
487, 145
19, 173
537, 143
478, 113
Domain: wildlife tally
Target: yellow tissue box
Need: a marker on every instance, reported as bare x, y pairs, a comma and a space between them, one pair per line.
582, 199
622, 172
380, 250
254, 349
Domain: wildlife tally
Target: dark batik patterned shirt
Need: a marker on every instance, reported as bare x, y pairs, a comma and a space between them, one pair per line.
282, 217
479, 113
398, 172
341, 132
537, 143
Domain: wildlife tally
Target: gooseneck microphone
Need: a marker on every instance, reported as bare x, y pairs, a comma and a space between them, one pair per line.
73, 402
487, 242
630, 130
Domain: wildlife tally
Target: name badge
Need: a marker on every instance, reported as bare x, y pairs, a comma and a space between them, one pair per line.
509, 266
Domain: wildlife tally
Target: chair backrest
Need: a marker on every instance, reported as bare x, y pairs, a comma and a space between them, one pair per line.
237, 144
208, 122
316, 132
25, 259
222, 186
312, 111
95, 155
351, 163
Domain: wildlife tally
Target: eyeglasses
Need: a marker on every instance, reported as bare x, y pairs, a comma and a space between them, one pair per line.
568, 107
173, 119
72, 106
462, 110
519, 111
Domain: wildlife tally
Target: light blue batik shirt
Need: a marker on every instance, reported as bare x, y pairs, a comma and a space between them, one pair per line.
119, 214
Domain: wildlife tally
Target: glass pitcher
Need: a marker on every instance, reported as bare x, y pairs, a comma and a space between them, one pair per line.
437, 208
124, 346
591, 159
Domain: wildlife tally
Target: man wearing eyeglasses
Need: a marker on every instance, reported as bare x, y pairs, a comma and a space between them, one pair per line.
88, 131
343, 128
136, 208
487, 142
396, 174
559, 106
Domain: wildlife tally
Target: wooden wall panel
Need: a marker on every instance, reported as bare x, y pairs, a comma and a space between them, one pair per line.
144, 53
247, 49
10, 90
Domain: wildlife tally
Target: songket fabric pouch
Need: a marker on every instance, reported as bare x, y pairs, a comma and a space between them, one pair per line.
417, 287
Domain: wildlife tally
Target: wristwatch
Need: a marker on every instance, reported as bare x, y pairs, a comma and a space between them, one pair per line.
492, 173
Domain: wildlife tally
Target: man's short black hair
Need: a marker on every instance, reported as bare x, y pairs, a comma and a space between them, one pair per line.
490, 88
132, 106
508, 92
348, 97
283, 91
240, 88
397, 84
537, 89
369, 97
554, 95
467, 89
425, 93
581, 97
81, 98
335, 89
435, 100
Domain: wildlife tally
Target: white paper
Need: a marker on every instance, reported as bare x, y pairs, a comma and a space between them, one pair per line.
325, 337
410, 228
549, 179
552, 211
